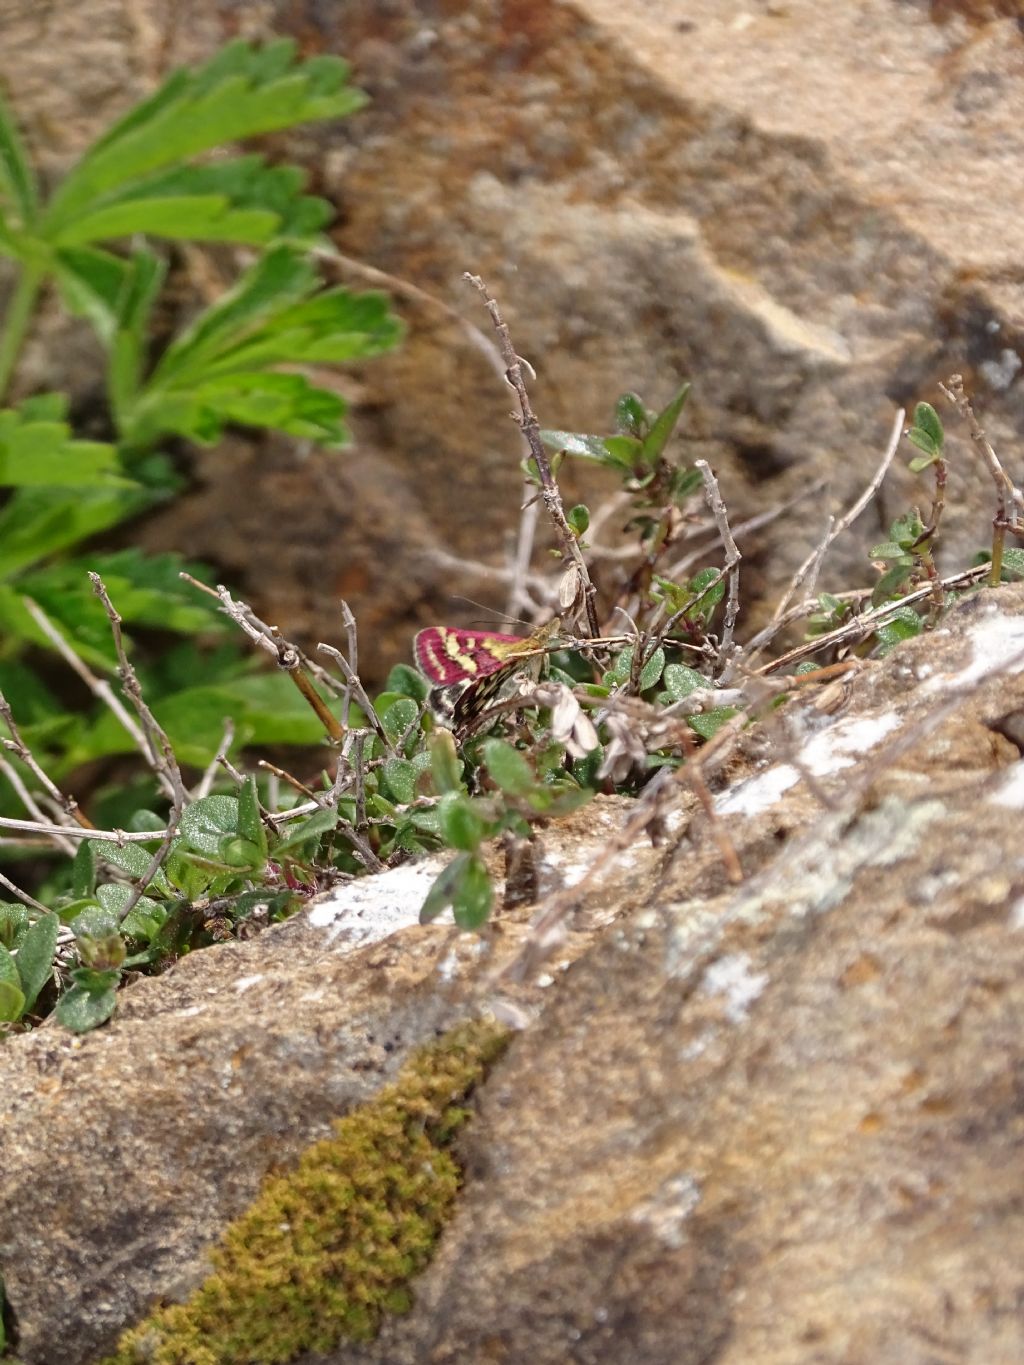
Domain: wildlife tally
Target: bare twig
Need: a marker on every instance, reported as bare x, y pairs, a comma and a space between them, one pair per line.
358, 694
17, 745
1009, 498
731, 568
57, 836
530, 428
78, 832
158, 748
863, 625
23, 896
99, 687
206, 781
811, 566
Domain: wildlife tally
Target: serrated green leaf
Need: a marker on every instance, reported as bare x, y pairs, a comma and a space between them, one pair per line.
921, 462
35, 957
926, 421
19, 196
38, 453
38, 522
903, 625
890, 583
236, 95
888, 549
664, 425
508, 768
91, 282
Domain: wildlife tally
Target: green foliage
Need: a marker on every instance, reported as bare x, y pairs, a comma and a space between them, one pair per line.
927, 434
328, 1250
235, 363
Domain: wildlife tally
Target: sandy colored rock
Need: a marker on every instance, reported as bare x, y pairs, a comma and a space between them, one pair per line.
770, 1122
810, 213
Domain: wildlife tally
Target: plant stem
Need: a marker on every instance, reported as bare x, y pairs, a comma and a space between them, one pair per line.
19, 314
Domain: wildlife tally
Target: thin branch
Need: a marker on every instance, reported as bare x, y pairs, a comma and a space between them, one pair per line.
206, 782
811, 566
77, 832
863, 625
161, 755
58, 838
99, 687
17, 745
359, 695
732, 564
530, 428
23, 896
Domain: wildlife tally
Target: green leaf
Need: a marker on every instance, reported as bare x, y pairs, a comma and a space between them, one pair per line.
472, 894
679, 681
12, 997
145, 918
652, 670
578, 519
14, 922
508, 768
631, 417
91, 282
891, 583
684, 484
888, 549
131, 858
80, 1009
664, 425
37, 522
709, 722
921, 462
461, 825
906, 530
19, 196
924, 441
440, 895
903, 625
314, 826
207, 822
927, 422
400, 716
400, 777
83, 869
37, 453
444, 762
407, 682
241, 92
250, 825
35, 956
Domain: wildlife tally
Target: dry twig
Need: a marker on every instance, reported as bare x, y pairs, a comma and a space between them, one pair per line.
530, 428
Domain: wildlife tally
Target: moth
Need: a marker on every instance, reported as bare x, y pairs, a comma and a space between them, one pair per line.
470, 667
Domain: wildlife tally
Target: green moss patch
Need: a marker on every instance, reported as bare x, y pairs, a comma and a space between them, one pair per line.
325, 1251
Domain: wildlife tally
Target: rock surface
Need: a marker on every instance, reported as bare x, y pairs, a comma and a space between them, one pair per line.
778, 1121
810, 213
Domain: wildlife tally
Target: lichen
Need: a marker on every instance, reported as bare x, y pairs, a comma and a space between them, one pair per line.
328, 1249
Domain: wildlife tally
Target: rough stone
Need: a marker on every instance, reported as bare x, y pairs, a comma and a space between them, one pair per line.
810, 213
777, 1121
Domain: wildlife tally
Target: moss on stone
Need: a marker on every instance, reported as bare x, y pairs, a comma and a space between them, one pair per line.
327, 1250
